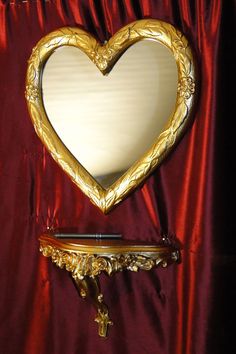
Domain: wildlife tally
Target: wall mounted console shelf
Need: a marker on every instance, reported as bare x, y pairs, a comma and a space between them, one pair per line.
87, 259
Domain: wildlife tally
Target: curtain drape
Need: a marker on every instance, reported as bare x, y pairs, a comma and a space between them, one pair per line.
184, 309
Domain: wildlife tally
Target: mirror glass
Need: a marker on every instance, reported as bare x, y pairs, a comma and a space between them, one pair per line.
109, 122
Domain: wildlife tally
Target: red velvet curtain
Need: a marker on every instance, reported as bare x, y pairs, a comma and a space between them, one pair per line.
180, 310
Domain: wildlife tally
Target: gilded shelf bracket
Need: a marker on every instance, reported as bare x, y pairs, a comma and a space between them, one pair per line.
87, 259
89, 289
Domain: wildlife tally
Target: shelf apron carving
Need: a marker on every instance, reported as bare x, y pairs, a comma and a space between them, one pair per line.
87, 262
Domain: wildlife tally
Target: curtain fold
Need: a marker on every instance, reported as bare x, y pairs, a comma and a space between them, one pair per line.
178, 310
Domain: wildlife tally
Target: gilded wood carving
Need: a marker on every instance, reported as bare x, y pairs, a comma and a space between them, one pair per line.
86, 261
104, 57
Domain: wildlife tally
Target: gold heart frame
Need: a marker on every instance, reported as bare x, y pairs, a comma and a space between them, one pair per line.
104, 57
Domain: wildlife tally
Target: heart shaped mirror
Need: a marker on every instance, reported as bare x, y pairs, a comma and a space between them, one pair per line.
110, 124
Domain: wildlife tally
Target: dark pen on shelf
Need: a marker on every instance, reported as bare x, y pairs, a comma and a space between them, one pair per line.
89, 236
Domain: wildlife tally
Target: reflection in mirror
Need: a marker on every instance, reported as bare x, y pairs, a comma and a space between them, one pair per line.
108, 122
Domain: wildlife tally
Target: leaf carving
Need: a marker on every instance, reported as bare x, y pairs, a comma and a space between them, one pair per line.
103, 56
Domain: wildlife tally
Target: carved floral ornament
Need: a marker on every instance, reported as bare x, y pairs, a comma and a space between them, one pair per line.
84, 264
85, 261
104, 57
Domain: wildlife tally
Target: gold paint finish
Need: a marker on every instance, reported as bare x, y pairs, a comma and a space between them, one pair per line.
87, 259
89, 289
104, 57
